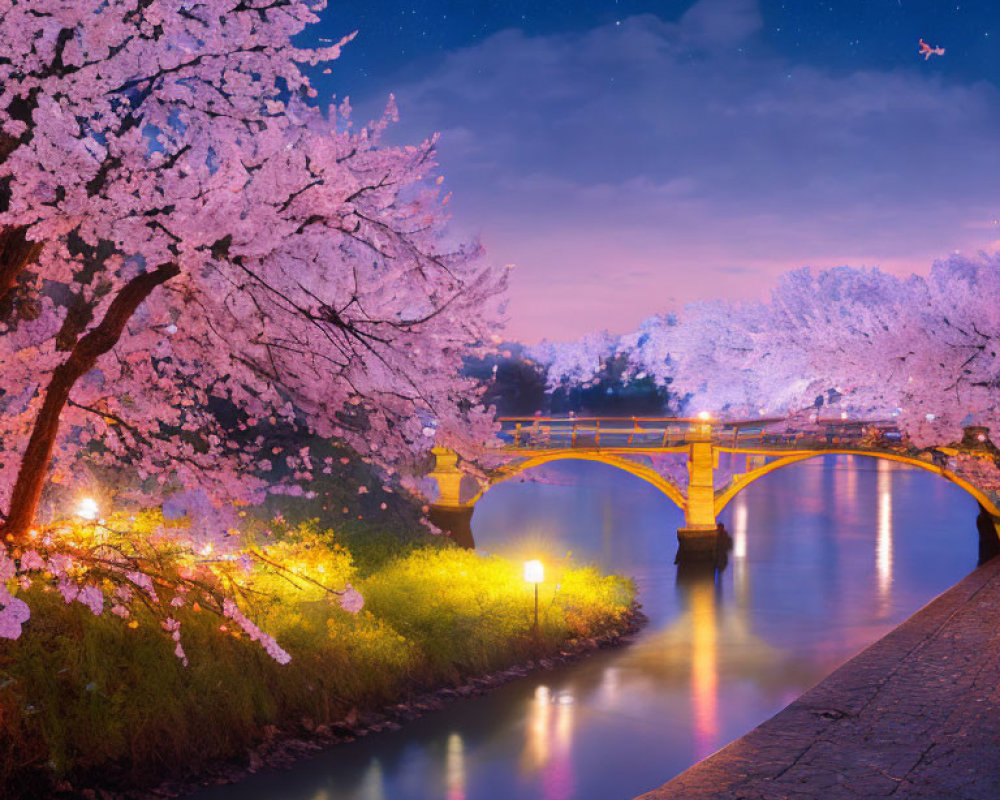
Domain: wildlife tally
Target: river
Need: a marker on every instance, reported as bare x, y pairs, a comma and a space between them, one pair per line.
828, 556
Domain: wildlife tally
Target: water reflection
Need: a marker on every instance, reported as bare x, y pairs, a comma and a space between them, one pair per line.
372, 785
454, 768
704, 668
611, 680
536, 745
559, 779
883, 548
739, 560
813, 554
549, 742
850, 470
740, 526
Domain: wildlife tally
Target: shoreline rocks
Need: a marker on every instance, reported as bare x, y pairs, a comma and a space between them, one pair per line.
281, 748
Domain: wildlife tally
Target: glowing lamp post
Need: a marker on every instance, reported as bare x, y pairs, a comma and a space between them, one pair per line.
87, 508
704, 426
534, 573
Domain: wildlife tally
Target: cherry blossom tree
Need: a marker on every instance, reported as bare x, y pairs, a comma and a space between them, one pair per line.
752, 358
575, 362
181, 232
918, 349
921, 350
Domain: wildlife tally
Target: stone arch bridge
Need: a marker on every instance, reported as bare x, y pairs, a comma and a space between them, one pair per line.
643, 446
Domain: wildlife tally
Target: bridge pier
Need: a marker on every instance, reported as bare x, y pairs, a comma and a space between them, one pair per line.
698, 545
989, 535
702, 540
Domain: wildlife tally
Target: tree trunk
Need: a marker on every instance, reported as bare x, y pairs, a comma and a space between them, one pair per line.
16, 253
35, 461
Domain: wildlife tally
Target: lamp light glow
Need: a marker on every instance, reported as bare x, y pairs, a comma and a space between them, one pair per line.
87, 508
534, 571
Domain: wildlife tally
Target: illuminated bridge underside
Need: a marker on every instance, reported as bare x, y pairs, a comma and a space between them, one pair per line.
722, 497
610, 456
784, 458
625, 444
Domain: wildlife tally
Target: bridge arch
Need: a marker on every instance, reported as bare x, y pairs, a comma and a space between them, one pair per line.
647, 474
723, 498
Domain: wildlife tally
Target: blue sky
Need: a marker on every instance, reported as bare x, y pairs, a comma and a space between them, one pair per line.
630, 157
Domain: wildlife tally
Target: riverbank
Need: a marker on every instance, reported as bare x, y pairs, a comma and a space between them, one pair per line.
101, 704
915, 715
282, 748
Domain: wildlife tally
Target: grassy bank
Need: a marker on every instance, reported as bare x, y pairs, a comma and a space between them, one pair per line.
93, 701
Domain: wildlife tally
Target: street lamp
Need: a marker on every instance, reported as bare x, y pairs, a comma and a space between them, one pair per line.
534, 573
705, 428
87, 508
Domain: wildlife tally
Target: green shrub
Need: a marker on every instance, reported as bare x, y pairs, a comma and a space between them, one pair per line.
474, 613
94, 699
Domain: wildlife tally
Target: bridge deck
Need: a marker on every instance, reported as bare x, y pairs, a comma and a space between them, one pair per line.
654, 434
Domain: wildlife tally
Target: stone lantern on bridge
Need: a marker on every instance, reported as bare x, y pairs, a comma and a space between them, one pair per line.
977, 439
448, 512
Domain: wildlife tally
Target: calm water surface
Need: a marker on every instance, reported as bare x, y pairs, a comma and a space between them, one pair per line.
828, 556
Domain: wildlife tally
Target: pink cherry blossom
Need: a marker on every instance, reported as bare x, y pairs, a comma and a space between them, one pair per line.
92, 598
920, 351
351, 600
186, 230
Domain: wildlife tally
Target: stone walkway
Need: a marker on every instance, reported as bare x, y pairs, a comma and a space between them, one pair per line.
916, 715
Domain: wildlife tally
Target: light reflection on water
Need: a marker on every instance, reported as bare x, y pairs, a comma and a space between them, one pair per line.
827, 556
704, 669
883, 547
548, 746
455, 768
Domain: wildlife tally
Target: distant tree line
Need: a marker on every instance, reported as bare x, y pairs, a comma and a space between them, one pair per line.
517, 384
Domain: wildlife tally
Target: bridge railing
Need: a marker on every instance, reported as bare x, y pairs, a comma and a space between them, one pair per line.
539, 432
834, 434
531, 432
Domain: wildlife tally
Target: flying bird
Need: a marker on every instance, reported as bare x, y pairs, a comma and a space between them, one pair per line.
927, 51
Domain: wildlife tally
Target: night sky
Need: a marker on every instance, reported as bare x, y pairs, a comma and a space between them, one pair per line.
631, 156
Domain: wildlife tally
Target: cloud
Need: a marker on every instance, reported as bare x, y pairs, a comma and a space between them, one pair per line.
631, 164
721, 22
